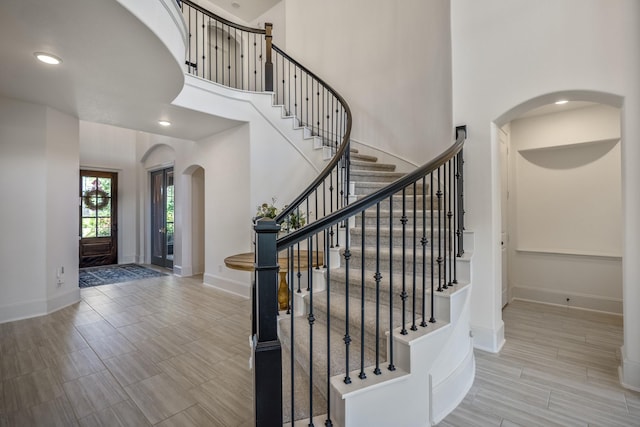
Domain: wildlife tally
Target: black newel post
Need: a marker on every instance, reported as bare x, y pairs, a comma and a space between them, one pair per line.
267, 353
460, 195
268, 65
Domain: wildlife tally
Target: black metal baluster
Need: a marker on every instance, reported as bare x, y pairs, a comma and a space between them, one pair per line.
324, 213
442, 233
449, 225
328, 291
439, 260
311, 319
204, 57
196, 44
331, 233
347, 337
403, 294
362, 375
317, 237
209, 44
413, 295
423, 242
299, 274
455, 219
235, 56
377, 276
190, 62
432, 296
291, 340
295, 91
391, 366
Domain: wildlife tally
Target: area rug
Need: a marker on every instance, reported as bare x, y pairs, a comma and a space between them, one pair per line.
110, 274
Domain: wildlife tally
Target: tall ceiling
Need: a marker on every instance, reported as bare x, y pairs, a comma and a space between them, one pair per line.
114, 69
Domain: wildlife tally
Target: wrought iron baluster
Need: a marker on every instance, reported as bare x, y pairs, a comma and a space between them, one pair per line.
403, 294
442, 233
362, 374
423, 242
347, 337
391, 366
377, 276
413, 239
432, 296
439, 260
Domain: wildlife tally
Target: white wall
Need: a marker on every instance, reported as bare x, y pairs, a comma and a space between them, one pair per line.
515, 55
39, 216
391, 63
565, 233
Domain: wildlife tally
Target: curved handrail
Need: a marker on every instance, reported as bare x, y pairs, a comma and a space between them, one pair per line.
223, 20
343, 148
374, 198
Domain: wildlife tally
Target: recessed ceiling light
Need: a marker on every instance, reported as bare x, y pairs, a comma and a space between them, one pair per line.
236, 5
164, 123
47, 58
562, 101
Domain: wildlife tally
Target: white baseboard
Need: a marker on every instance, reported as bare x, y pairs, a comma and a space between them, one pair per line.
581, 301
490, 340
63, 300
224, 284
129, 259
629, 372
38, 307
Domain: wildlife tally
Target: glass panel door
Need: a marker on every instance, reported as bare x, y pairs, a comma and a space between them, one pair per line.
162, 217
98, 225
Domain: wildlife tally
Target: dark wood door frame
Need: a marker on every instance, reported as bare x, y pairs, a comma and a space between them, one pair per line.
98, 228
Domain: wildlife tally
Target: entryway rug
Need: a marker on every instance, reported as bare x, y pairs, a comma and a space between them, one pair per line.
110, 274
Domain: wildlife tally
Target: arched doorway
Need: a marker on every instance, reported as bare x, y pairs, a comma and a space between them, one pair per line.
561, 220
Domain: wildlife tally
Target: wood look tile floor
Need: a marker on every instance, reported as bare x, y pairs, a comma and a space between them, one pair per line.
169, 351
164, 351
558, 367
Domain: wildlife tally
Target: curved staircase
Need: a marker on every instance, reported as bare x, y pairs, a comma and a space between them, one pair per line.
439, 348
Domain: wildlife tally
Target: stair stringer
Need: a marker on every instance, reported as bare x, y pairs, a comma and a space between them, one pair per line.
452, 373
417, 393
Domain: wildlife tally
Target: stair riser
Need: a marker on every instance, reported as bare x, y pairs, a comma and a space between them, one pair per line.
302, 354
355, 331
374, 176
363, 157
371, 166
370, 263
338, 286
370, 219
385, 238
370, 186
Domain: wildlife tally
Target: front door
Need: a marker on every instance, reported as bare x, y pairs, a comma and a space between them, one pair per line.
162, 210
98, 219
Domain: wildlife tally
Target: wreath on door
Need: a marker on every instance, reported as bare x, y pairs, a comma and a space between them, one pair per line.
95, 199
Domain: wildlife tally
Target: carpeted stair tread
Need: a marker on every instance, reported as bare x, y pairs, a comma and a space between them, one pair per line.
338, 286
363, 157
380, 176
367, 187
337, 309
360, 165
385, 235
302, 350
300, 392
